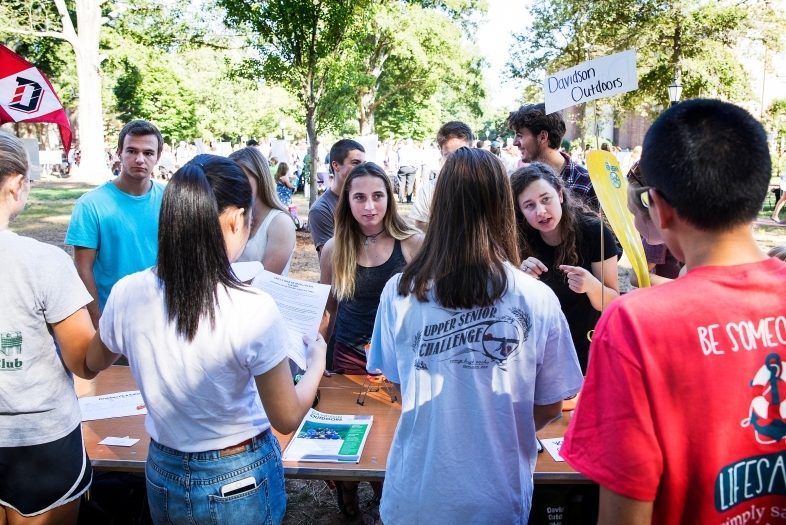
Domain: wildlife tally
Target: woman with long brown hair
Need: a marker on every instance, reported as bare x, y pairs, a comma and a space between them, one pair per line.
372, 243
482, 355
560, 241
284, 185
272, 240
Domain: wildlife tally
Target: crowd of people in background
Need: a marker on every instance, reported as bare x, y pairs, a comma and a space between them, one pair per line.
411, 164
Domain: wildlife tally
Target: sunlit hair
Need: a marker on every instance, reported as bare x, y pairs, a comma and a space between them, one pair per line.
454, 130
348, 240
255, 164
535, 119
470, 237
192, 258
573, 212
139, 128
13, 157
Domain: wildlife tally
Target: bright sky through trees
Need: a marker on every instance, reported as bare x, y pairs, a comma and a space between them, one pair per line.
494, 40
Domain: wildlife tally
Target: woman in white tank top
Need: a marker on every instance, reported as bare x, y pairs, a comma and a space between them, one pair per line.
272, 240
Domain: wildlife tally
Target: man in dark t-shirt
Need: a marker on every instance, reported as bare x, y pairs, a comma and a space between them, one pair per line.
344, 156
578, 309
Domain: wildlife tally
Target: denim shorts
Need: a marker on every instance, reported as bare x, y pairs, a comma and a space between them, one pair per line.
185, 487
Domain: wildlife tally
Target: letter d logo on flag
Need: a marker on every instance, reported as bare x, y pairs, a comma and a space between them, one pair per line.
34, 96
26, 95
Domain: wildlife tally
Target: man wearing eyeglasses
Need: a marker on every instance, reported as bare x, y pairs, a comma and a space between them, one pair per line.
682, 417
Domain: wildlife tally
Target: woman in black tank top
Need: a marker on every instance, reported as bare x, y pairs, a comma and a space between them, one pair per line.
372, 243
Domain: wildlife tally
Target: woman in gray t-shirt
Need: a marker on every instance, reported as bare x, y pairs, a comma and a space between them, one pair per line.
40, 421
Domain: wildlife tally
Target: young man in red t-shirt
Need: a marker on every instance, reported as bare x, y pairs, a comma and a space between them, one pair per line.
682, 417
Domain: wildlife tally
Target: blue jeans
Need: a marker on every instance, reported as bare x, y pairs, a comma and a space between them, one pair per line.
185, 487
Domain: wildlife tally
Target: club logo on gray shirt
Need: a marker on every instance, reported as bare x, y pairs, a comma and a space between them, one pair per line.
10, 346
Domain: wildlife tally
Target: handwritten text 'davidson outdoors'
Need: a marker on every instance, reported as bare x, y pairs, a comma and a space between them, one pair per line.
599, 78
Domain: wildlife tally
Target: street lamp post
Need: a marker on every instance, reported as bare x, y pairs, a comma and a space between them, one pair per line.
282, 125
675, 92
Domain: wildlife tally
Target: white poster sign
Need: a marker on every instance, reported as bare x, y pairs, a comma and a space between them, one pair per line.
50, 157
599, 78
224, 149
280, 149
369, 143
200, 146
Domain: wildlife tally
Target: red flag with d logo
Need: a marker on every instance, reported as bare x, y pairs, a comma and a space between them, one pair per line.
26, 95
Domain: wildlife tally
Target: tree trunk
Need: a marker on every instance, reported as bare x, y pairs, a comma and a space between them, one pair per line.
366, 105
313, 151
91, 127
676, 51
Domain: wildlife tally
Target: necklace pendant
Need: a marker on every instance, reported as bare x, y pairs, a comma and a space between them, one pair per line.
374, 240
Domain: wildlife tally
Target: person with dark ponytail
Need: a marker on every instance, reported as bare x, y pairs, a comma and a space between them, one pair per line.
208, 354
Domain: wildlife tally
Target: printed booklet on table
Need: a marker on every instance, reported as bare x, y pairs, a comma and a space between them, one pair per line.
329, 438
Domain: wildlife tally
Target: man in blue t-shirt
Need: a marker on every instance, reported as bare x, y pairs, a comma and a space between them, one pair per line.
114, 228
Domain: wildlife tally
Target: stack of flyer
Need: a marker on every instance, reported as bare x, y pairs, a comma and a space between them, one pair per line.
329, 438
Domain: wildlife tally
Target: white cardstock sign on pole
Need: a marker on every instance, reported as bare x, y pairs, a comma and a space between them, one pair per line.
599, 78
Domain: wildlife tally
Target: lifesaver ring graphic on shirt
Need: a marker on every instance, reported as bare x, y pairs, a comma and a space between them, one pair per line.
767, 412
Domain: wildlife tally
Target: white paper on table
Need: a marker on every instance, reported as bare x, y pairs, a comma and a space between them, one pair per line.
301, 304
112, 405
118, 442
552, 446
247, 270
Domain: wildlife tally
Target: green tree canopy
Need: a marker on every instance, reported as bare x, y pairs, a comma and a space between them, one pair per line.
230, 108
300, 45
154, 93
414, 53
692, 40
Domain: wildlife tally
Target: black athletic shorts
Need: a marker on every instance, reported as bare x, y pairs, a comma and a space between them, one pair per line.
38, 478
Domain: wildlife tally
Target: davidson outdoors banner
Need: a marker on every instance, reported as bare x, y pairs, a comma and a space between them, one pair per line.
598, 78
26, 95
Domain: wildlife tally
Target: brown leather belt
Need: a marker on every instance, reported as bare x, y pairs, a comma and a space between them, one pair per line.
240, 447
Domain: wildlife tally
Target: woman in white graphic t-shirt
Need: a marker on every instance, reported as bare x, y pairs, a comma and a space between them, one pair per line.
210, 358
482, 354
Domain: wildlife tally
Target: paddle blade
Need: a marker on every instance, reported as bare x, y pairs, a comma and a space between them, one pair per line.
611, 188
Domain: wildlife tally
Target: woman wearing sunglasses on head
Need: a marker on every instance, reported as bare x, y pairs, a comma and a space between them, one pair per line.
663, 266
560, 243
